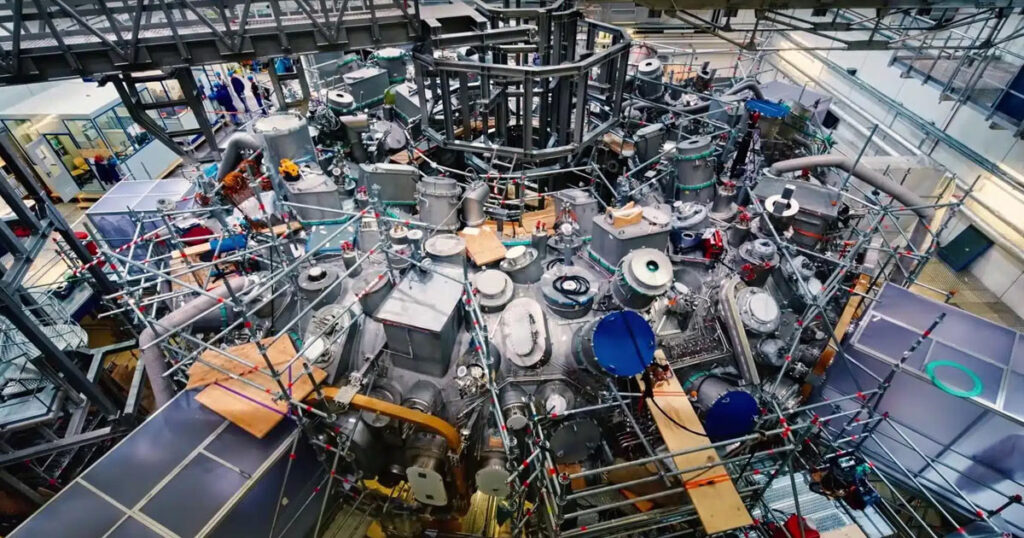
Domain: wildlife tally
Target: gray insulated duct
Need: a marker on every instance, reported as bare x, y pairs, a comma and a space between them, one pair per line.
232, 155
749, 84
737, 334
193, 313
868, 175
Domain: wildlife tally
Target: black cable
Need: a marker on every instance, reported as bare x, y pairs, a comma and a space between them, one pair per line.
648, 394
674, 421
580, 285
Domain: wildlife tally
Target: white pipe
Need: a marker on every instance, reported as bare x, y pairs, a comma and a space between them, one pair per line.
864, 173
153, 358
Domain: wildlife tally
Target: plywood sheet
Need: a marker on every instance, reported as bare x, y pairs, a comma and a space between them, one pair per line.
201, 374
255, 410
482, 245
712, 491
849, 313
546, 216
198, 277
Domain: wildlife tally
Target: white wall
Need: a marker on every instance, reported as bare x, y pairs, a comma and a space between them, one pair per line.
10, 95
151, 162
995, 208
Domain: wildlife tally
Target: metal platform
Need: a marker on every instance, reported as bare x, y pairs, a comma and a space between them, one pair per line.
972, 439
83, 39
188, 472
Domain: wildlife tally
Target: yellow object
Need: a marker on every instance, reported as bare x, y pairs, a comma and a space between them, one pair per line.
416, 418
719, 505
288, 168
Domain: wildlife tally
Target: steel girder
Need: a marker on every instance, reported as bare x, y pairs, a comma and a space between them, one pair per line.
47, 39
847, 29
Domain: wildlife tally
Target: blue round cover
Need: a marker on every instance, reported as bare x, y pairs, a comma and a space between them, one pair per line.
732, 415
623, 343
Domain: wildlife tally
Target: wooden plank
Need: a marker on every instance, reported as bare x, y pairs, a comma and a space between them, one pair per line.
546, 216
482, 245
201, 375
196, 277
845, 319
255, 410
712, 491
616, 143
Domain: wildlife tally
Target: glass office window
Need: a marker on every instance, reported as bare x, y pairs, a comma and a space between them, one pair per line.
87, 137
121, 133
23, 130
72, 158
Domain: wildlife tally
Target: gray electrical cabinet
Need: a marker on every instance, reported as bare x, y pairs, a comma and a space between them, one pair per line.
421, 318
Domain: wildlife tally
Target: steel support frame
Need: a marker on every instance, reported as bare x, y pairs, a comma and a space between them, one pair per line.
560, 86
46, 41
881, 32
550, 489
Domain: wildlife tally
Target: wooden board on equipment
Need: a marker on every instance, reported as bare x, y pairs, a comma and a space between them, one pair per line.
482, 245
616, 143
198, 277
712, 491
845, 319
626, 215
545, 216
255, 410
200, 374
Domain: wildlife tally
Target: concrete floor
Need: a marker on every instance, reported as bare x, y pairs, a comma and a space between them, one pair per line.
970, 295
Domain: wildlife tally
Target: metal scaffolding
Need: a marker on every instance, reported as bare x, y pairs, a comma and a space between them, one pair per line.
149, 272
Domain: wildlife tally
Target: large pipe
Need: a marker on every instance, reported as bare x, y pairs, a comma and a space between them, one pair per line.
418, 419
749, 84
737, 334
232, 155
868, 175
153, 358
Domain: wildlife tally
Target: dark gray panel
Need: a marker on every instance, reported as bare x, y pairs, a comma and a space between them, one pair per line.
254, 513
186, 503
976, 447
890, 340
92, 516
960, 329
241, 449
152, 451
131, 528
1015, 395
1017, 361
930, 411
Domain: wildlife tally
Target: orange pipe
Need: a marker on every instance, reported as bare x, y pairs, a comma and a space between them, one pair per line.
417, 418
412, 416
